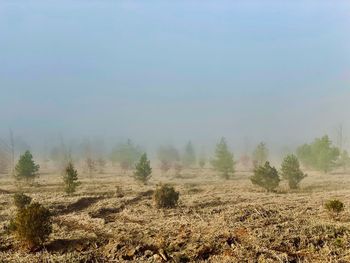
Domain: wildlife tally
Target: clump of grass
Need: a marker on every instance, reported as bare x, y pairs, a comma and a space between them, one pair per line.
165, 196
335, 206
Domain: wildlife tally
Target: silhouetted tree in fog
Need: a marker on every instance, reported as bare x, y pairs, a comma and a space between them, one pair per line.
344, 160
260, 154
168, 154
126, 154
189, 156
61, 155
223, 161
320, 154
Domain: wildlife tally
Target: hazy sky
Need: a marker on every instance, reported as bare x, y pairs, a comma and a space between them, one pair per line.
159, 71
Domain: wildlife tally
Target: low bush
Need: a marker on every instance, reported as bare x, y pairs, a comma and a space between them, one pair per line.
334, 206
291, 171
32, 225
266, 177
165, 196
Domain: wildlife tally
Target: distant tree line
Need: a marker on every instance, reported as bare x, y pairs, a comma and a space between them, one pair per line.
322, 155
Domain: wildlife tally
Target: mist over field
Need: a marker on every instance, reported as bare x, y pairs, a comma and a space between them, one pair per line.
168, 72
174, 131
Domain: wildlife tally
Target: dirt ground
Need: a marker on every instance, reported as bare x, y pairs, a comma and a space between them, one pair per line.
111, 218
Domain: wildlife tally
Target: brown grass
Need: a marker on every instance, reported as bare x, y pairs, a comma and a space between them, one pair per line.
111, 218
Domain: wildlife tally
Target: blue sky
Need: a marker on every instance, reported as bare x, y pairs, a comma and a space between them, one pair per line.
158, 71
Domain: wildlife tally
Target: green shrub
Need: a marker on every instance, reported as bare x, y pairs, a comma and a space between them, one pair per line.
266, 177
21, 200
32, 225
143, 169
70, 179
291, 171
165, 196
334, 206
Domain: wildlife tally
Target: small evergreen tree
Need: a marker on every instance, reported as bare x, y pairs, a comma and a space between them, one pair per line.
189, 157
26, 168
223, 161
143, 169
266, 177
260, 154
70, 179
291, 171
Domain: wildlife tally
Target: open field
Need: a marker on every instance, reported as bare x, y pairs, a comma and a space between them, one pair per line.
111, 218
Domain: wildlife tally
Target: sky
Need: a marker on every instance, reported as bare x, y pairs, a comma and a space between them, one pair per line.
173, 71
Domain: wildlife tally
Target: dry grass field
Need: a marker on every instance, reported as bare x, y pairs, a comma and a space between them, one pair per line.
111, 218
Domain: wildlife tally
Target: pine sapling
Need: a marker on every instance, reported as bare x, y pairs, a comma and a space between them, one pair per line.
70, 179
143, 169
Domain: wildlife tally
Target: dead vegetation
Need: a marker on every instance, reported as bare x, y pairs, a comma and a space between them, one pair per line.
214, 221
